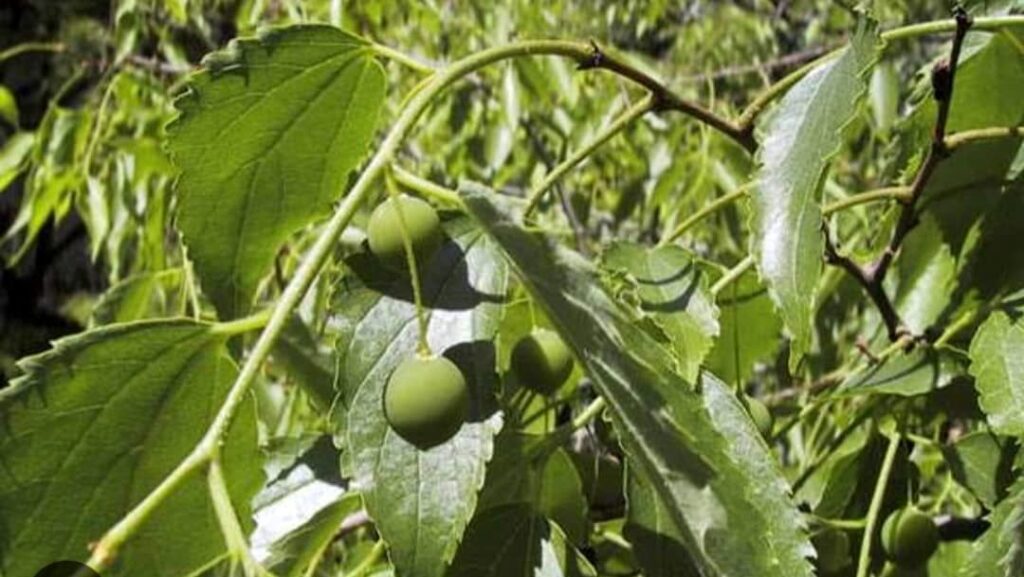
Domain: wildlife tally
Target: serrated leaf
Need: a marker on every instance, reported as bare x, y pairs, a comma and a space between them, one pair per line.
803, 133
702, 469
997, 363
511, 541
95, 424
265, 141
1000, 551
672, 288
918, 372
421, 501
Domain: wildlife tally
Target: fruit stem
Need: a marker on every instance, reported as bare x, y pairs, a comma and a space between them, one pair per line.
402, 58
424, 187
871, 521
422, 346
707, 210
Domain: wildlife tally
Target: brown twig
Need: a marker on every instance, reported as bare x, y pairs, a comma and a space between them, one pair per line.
871, 277
665, 99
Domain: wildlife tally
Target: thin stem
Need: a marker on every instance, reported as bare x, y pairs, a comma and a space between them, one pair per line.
853, 524
422, 346
425, 187
732, 275
864, 560
243, 325
589, 414
578, 156
707, 210
371, 559
899, 193
403, 59
231, 529
31, 47
955, 141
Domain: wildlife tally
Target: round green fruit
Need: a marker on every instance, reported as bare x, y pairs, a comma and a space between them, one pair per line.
833, 547
426, 400
384, 231
909, 537
761, 416
541, 361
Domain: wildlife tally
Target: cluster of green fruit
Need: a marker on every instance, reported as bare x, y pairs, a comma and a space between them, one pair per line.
909, 539
426, 399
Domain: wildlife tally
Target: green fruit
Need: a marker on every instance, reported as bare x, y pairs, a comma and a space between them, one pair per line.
426, 400
384, 231
761, 416
541, 361
833, 547
909, 537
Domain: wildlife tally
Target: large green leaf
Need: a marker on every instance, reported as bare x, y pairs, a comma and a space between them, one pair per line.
713, 475
420, 500
12, 156
657, 543
511, 541
91, 429
800, 137
671, 286
997, 363
266, 139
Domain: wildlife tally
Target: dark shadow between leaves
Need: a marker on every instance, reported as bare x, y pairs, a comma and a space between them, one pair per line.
477, 361
445, 280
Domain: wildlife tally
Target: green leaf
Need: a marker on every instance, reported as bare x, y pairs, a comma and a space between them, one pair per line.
511, 541
13, 155
266, 139
997, 363
141, 296
714, 475
421, 501
672, 288
657, 544
927, 271
983, 463
750, 330
291, 556
91, 429
918, 372
799, 139
299, 353
8, 107
1000, 551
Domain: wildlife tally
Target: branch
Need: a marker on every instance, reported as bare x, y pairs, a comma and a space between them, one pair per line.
872, 277
665, 99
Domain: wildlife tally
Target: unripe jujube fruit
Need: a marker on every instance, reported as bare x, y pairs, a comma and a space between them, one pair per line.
541, 361
384, 232
909, 537
426, 400
761, 416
